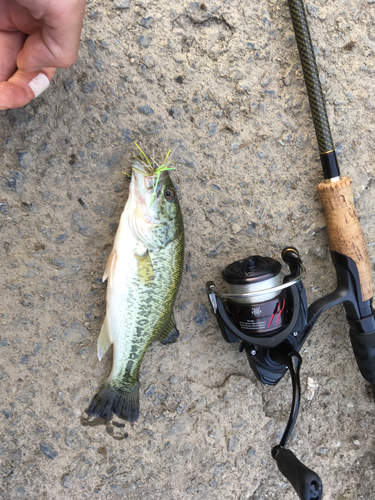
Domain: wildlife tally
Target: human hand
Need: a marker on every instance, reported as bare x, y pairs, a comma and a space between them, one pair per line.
36, 37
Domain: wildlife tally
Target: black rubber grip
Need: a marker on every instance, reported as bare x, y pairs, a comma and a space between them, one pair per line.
306, 482
364, 351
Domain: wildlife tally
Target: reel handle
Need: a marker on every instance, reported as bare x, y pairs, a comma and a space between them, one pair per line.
306, 482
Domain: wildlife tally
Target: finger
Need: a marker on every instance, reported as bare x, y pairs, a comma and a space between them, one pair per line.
11, 43
56, 45
22, 87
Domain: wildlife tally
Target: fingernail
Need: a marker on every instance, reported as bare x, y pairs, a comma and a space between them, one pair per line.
39, 84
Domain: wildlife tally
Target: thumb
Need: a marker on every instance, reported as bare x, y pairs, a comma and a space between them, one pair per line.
22, 87
56, 45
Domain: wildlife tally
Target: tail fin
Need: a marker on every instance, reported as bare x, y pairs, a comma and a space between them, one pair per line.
110, 400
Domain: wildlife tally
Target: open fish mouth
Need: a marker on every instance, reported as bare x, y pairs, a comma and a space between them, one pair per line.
144, 210
152, 171
148, 168
147, 186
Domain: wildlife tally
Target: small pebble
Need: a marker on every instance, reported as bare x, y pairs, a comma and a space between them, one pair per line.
312, 10
4, 207
146, 110
149, 61
122, 4
69, 84
67, 482
175, 112
350, 97
91, 46
145, 41
99, 64
232, 443
15, 182
212, 129
150, 391
48, 451
89, 87
82, 203
243, 85
32, 207
127, 135
24, 159
146, 22
202, 315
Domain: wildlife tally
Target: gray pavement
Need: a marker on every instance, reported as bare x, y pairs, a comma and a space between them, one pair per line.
222, 81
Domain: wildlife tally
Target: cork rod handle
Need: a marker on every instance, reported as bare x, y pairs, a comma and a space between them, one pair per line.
345, 235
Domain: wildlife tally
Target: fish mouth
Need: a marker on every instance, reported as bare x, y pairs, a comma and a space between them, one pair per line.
145, 181
149, 175
146, 187
150, 170
144, 190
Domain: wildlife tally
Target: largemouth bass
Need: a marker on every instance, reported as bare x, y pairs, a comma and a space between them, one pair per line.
143, 271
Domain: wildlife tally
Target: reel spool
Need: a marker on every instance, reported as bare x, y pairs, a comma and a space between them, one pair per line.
261, 308
266, 312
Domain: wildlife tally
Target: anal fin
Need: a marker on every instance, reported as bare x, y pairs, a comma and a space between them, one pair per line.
104, 341
169, 333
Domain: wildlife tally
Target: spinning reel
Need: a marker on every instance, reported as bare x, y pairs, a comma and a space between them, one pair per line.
270, 316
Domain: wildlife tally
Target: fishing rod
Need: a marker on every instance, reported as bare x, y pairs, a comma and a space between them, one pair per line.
269, 313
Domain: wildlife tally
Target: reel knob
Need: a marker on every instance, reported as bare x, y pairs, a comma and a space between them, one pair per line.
306, 482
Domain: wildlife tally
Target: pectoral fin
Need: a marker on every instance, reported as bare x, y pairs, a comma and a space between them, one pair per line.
145, 269
111, 265
104, 341
169, 333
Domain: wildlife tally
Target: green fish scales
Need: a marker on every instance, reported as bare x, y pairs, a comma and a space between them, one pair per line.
151, 310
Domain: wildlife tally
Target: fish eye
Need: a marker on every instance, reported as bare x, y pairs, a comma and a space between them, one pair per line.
169, 195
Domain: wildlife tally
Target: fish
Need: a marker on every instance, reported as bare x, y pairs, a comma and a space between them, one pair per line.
144, 272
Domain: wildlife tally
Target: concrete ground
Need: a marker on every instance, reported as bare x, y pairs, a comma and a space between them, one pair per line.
221, 80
